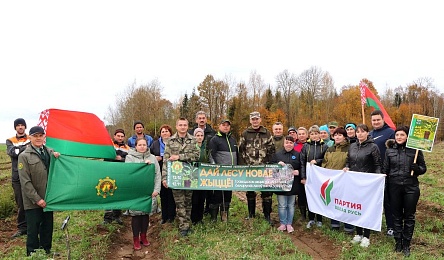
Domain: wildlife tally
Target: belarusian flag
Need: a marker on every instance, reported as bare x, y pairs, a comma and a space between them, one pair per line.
87, 184
367, 97
76, 133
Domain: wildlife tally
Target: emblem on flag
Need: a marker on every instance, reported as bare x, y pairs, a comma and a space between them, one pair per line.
106, 187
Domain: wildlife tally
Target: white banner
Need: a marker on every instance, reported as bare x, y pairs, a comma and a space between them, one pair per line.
351, 197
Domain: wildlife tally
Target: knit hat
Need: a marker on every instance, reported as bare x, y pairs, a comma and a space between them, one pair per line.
136, 123
198, 130
119, 131
36, 130
323, 128
352, 125
19, 121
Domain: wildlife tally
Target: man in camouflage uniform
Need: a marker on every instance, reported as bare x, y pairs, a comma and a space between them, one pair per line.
257, 148
183, 147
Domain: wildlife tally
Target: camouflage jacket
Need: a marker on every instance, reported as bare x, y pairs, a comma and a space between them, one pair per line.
256, 147
186, 148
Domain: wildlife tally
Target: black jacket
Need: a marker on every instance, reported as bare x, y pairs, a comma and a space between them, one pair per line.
292, 158
208, 132
223, 149
397, 163
364, 157
155, 150
312, 150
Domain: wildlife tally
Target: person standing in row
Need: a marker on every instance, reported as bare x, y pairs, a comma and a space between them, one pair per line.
167, 203
121, 153
14, 146
313, 152
325, 135
286, 199
403, 186
381, 133
256, 147
138, 129
140, 219
199, 196
335, 158
363, 156
181, 147
302, 139
223, 151
33, 169
351, 132
278, 136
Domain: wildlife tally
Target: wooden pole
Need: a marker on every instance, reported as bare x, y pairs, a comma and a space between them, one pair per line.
363, 115
414, 160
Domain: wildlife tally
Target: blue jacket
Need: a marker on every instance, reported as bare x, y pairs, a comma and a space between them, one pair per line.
132, 140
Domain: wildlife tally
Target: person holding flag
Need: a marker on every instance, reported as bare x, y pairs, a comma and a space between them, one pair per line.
403, 187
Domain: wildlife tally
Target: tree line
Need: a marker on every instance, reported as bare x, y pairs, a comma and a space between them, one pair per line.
293, 99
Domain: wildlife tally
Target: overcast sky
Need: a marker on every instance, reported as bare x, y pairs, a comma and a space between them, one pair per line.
80, 55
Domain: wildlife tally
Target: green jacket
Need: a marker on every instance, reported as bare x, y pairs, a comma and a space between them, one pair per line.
336, 156
186, 148
256, 147
33, 176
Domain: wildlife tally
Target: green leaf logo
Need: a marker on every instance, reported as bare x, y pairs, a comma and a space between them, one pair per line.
325, 192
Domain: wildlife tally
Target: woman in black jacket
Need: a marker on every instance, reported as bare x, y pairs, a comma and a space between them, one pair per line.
403, 186
363, 156
286, 199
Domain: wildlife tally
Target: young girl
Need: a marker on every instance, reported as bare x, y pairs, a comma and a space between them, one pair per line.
140, 219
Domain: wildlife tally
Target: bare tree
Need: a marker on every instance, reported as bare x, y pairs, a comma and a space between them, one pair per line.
256, 85
286, 83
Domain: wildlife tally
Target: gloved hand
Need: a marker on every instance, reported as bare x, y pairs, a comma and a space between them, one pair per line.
415, 168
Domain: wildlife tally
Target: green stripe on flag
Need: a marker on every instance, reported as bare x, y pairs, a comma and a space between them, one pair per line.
372, 103
84, 184
81, 149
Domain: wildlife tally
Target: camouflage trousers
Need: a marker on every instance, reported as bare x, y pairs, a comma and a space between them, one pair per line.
183, 205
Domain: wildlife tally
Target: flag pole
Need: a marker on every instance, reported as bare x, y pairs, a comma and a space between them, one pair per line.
414, 160
363, 115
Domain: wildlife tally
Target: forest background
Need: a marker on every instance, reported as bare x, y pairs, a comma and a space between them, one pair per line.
293, 99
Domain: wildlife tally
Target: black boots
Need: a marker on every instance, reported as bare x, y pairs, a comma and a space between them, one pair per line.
398, 245
406, 248
214, 211
251, 207
266, 207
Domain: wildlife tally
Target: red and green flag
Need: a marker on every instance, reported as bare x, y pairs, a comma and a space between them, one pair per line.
76, 183
367, 97
76, 134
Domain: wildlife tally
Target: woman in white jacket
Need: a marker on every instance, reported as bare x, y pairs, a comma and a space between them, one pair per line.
140, 219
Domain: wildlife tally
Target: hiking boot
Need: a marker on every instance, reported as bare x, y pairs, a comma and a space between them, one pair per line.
390, 232
290, 229
398, 245
356, 239
406, 248
365, 242
282, 227
319, 224
310, 223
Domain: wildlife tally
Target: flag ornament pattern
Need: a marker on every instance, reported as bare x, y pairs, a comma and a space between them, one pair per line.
106, 187
367, 97
76, 133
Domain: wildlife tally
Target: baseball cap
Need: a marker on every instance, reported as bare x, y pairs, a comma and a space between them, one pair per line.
333, 123
225, 121
255, 114
36, 130
291, 129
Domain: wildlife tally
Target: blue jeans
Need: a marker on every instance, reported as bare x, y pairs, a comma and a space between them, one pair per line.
286, 209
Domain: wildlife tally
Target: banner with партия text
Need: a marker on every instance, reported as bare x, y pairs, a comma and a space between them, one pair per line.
270, 177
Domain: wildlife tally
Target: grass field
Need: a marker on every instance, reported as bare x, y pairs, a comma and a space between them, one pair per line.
242, 239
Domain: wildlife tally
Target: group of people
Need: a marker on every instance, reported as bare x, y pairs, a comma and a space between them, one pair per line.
353, 147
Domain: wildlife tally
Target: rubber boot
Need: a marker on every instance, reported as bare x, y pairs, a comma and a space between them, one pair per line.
406, 248
136, 241
214, 210
266, 207
303, 211
144, 241
251, 207
398, 245
224, 212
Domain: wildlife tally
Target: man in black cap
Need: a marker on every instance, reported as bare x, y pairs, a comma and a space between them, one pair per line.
14, 146
33, 169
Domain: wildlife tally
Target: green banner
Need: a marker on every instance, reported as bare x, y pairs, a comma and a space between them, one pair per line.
422, 132
82, 184
270, 177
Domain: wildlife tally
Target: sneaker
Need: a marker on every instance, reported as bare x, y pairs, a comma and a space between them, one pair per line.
126, 213
282, 227
365, 242
356, 239
319, 224
390, 232
290, 229
310, 223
